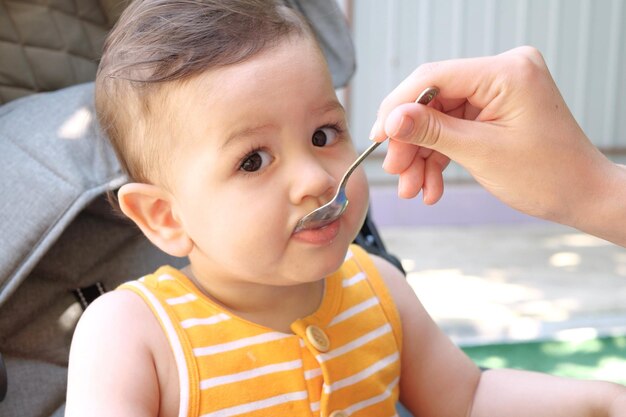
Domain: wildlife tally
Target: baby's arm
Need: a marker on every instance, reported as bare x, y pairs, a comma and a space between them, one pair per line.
439, 380
521, 393
111, 368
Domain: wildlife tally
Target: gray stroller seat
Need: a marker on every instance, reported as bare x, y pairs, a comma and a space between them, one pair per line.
60, 240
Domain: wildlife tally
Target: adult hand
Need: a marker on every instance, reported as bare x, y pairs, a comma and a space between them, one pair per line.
503, 119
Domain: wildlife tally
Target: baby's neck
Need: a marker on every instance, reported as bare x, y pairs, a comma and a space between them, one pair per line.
275, 307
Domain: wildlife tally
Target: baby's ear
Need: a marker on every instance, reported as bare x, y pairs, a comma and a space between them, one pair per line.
150, 207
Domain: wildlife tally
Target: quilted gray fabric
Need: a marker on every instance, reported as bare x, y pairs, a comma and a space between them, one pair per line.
46, 45
54, 161
58, 233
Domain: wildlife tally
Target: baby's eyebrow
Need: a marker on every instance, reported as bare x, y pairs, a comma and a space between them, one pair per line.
247, 131
243, 133
333, 105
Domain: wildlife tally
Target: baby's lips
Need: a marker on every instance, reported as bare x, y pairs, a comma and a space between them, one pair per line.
319, 236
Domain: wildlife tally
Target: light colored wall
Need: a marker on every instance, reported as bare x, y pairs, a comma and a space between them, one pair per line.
583, 42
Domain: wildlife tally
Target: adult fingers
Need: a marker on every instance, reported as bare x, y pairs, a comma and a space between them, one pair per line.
456, 138
412, 179
477, 80
399, 156
433, 177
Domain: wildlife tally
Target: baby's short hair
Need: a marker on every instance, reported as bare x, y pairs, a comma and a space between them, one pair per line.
159, 43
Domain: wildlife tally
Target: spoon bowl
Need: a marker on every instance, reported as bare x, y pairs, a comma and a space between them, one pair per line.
332, 210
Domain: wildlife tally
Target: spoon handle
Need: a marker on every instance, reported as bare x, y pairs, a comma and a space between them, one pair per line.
424, 98
358, 161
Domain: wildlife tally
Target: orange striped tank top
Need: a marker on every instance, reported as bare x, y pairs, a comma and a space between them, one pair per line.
343, 360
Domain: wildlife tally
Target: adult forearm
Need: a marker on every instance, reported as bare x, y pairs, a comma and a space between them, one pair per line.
603, 212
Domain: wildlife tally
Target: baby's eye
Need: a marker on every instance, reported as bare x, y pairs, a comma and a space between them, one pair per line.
255, 161
324, 136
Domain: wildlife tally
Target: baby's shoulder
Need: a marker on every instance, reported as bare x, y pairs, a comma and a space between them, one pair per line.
393, 278
117, 309
115, 349
118, 317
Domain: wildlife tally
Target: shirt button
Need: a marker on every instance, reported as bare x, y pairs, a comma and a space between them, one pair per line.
319, 340
338, 413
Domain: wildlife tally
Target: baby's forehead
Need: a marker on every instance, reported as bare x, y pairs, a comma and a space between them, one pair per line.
274, 74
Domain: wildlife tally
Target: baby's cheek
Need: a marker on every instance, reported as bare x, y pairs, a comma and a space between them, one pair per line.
360, 183
358, 191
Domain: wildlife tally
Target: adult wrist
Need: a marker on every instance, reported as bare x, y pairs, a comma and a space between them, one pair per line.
604, 209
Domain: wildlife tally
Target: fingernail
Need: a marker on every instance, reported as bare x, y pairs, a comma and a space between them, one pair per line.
385, 162
374, 130
405, 128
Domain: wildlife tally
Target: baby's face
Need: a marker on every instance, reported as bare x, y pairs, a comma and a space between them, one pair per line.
263, 143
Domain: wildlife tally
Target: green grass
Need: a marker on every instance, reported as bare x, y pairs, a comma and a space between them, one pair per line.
602, 358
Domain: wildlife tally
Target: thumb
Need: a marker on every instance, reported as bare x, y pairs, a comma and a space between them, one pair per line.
430, 128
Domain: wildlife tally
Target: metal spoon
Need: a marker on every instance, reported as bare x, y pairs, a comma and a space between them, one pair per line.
331, 211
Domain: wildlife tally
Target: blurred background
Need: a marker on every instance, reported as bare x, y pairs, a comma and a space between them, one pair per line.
512, 290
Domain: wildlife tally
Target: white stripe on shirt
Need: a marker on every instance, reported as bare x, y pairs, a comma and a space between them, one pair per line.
182, 299
354, 310
165, 277
373, 400
240, 343
312, 373
355, 344
364, 374
259, 405
249, 374
353, 280
204, 321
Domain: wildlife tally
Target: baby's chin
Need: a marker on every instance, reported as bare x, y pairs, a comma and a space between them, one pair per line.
322, 269
341, 255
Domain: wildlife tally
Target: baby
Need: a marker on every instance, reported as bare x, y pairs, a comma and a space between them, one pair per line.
224, 116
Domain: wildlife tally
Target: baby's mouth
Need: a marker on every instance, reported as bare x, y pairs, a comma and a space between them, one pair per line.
321, 234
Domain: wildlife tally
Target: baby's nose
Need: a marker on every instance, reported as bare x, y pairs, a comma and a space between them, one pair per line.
312, 180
